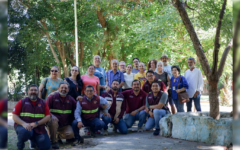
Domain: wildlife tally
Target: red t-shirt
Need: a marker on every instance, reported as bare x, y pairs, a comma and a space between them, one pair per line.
18, 107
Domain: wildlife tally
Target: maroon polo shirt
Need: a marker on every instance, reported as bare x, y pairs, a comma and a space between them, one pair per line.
134, 101
147, 86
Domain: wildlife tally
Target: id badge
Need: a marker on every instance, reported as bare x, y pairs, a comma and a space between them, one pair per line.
174, 88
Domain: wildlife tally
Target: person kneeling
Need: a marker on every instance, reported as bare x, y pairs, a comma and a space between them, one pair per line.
156, 107
87, 112
117, 108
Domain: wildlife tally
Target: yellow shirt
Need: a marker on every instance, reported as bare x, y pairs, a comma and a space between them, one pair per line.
141, 78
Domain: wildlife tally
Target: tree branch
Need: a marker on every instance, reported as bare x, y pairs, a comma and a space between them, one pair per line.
193, 35
217, 39
223, 59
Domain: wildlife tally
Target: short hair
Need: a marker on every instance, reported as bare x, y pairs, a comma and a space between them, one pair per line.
89, 86
135, 58
155, 82
159, 62
177, 67
55, 67
115, 80
122, 62
130, 65
141, 63
149, 71
64, 82
91, 65
136, 81
164, 55
191, 58
115, 61
32, 85
97, 56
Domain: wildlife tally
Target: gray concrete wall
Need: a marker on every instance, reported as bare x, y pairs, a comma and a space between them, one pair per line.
198, 127
11, 104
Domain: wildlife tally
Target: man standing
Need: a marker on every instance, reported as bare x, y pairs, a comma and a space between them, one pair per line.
135, 65
62, 107
135, 100
122, 67
167, 68
195, 83
150, 78
156, 107
30, 115
117, 108
100, 73
115, 74
87, 113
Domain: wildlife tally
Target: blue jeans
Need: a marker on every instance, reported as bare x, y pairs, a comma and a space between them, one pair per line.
130, 119
196, 103
3, 137
95, 125
121, 125
42, 141
178, 105
158, 114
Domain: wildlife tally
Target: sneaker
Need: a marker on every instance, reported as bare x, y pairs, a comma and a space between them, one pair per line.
105, 132
77, 142
55, 145
98, 132
156, 132
140, 129
92, 134
31, 145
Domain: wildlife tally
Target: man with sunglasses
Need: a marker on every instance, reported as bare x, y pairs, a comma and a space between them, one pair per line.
87, 113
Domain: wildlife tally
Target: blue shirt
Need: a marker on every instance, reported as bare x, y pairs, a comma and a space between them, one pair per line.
135, 70
118, 76
168, 70
100, 73
183, 83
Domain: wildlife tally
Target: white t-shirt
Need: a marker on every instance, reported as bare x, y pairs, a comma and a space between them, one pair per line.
195, 81
128, 80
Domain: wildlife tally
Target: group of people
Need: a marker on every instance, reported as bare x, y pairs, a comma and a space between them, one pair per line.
119, 96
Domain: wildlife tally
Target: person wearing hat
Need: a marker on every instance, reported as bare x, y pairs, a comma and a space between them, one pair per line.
166, 67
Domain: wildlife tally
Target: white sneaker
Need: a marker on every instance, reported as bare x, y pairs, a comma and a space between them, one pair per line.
140, 129
30, 145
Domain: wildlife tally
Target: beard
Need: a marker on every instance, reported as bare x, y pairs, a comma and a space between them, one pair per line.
165, 63
63, 93
190, 67
33, 97
115, 89
136, 89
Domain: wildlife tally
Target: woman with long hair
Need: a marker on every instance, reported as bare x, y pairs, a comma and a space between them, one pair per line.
75, 82
152, 65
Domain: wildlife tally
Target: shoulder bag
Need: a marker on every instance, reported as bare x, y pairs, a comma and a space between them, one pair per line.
182, 96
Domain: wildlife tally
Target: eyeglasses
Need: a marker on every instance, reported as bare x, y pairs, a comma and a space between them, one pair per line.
89, 91
74, 70
122, 65
150, 76
91, 68
135, 61
54, 71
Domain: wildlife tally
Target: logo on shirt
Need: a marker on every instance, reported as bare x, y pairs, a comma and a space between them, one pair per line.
13, 109
131, 96
95, 102
27, 103
84, 103
140, 97
67, 101
149, 97
39, 105
159, 80
57, 100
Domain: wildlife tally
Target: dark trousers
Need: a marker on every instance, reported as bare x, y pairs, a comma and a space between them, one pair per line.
3, 137
42, 141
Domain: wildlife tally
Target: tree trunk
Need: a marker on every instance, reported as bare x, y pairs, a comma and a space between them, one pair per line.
214, 100
81, 54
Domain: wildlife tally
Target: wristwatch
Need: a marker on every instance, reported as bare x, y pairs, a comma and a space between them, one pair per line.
36, 123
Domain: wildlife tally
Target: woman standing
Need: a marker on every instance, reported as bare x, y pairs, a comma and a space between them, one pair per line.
183, 85
163, 76
51, 82
128, 77
75, 83
141, 75
152, 65
90, 79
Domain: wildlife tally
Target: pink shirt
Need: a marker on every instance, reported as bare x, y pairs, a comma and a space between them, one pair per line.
94, 81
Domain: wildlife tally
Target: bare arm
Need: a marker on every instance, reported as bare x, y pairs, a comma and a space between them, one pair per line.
169, 82
98, 90
40, 91
121, 84
158, 106
44, 120
17, 119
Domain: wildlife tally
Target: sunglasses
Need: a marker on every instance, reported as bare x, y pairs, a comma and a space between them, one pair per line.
54, 71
